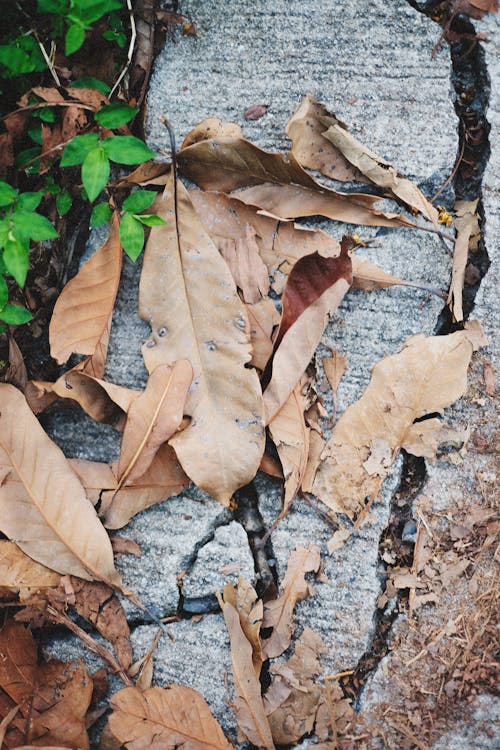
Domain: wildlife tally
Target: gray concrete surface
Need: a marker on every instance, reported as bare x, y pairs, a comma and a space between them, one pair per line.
369, 62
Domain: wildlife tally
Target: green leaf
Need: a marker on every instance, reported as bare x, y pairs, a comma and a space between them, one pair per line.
150, 220
15, 60
4, 292
127, 149
15, 315
33, 225
2, 328
47, 114
15, 257
91, 83
35, 133
95, 172
139, 201
26, 156
64, 201
7, 193
90, 11
28, 201
131, 236
75, 37
101, 213
78, 148
115, 115
4, 234
59, 7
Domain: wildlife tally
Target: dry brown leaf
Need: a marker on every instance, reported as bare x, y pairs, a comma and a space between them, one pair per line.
16, 371
377, 170
188, 297
291, 702
250, 611
476, 9
314, 289
334, 368
427, 375
97, 603
290, 435
305, 129
123, 546
248, 706
21, 575
476, 335
163, 479
53, 698
278, 614
467, 226
424, 438
165, 719
82, 312
246, 265
43, 507
264, 319
152, 419
282, 187
212, 127
368, 276
316, 447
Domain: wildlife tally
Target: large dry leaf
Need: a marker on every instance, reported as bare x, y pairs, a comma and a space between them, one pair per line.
314, 289
152, 419
263, 318
290, 435
377, 169
163, 479
43, 506
165, 719
243, 598
189, 298
282, 187
82, 312
247, 706
292, 700
247, 267
427, 375
53, 698
467, 226
21, 575
278, 614
311, 150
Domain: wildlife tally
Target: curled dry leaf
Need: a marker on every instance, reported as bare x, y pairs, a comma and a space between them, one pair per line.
250, 611
278, 614
247, 267
248, 706
212, 127
292, 700
264, 319
188, 297
82, 312
427, 375
305, 129
16, 371
282, 187
152, 419
467, 226
314, 289
53, 698
43, 506
163, 479
377, 170
164, 719
290, 435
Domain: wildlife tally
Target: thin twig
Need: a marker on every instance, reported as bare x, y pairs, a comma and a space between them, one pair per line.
48, 60
452, 174
133, 37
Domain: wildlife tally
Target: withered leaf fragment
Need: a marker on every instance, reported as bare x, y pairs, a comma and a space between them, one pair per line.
53, 698
43, 507
467, 226
427, 375
247, 706
189, 298
246, 265
21, 575
314, 289
292, 700
250, 611
165, 719
278, 614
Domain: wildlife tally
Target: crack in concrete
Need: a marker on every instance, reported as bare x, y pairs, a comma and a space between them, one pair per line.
471, 86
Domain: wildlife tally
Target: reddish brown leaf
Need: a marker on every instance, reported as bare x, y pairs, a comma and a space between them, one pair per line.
256, 111
16, 371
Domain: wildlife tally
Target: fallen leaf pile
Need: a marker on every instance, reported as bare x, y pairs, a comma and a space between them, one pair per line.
227, 367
